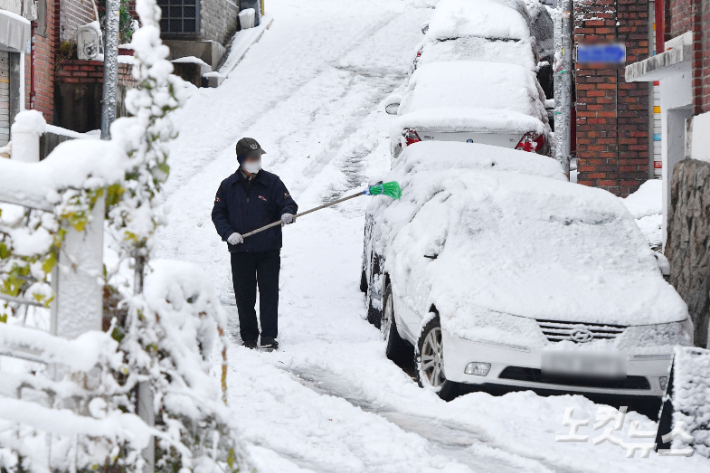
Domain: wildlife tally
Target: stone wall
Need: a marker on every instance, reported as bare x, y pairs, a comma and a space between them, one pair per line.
688, 244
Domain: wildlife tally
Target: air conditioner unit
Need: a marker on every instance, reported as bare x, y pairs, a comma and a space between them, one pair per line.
89, 45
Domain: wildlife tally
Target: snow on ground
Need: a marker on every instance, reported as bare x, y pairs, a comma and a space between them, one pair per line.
646, 205
329, 401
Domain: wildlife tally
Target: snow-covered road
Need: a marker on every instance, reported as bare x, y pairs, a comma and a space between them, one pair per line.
329, 401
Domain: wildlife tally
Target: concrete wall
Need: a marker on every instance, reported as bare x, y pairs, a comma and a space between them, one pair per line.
218, 20
74, 13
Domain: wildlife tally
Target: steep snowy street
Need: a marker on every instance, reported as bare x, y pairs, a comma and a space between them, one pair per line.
310, 92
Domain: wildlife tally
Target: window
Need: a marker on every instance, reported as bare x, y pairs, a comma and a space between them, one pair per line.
179, 16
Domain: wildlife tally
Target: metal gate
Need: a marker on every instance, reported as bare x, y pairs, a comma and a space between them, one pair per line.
4, 97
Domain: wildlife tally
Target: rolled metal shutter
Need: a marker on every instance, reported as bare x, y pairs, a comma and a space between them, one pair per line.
4, 97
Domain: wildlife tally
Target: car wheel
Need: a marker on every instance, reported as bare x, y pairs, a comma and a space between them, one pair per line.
429, 362
397, 349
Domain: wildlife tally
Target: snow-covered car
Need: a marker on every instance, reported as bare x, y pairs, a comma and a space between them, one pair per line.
484, 30
475, 102
499, 272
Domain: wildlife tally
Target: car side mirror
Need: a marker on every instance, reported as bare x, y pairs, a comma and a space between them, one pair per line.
425, 28
391, 104
664, 266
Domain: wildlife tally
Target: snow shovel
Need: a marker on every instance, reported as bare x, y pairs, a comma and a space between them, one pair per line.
390, 189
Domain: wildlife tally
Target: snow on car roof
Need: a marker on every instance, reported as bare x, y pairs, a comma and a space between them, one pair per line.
472, 48
465, 94
484, 18
508, 242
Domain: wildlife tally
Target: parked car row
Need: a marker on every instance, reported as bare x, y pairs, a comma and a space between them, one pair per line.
476, 78
493, 270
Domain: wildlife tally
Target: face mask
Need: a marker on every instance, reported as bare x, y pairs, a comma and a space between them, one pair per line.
252, 167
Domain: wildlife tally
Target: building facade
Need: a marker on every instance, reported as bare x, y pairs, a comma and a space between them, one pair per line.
681, 70
199, 28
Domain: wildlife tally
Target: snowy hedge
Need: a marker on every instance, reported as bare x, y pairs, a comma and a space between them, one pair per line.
81, 413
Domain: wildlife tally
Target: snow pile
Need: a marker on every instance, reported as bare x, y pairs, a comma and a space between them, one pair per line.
646, 205
478, 96
483, 18
691, 398
173, 329
473, 48
29, 121
514, 244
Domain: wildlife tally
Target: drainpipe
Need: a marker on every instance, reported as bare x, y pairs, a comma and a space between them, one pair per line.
32, 66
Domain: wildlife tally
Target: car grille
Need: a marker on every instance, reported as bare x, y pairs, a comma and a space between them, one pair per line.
577, 332
533, 375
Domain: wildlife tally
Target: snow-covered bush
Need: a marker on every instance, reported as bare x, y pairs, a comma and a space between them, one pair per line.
173, 321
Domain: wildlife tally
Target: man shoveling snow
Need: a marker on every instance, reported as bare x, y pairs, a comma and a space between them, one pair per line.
248, 199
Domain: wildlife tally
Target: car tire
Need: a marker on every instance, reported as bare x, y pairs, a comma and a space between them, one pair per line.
429, 362
363, 281
397, 349
374, 316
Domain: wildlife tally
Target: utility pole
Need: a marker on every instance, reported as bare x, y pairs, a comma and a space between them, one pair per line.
108, 107
563, 83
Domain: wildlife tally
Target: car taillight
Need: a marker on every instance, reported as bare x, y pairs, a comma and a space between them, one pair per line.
411, 137
419, 54
531, 142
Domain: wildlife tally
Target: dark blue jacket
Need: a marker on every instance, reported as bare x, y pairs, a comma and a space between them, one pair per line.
243, 205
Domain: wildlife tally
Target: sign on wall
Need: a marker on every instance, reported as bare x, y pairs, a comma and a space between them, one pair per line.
601, 53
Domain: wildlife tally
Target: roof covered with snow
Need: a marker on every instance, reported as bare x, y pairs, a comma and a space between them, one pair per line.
510, 242
484, 18
479, 95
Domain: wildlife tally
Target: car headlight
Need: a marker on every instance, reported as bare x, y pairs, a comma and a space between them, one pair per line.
674, 333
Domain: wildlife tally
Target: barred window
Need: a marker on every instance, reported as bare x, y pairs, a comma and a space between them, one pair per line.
179, 16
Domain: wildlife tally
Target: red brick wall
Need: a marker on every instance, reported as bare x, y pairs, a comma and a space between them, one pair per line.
693, 15
44, 58
91, 72
74, 13
612, 115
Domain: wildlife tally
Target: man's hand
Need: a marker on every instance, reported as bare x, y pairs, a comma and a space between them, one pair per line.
287, 219
235, 239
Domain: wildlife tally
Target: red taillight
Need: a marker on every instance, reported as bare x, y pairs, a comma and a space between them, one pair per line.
419, 54
411, 137
531, 142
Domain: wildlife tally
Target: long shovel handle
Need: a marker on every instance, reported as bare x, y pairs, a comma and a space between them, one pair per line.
329, 204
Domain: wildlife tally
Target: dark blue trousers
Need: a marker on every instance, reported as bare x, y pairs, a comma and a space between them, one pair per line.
248, 270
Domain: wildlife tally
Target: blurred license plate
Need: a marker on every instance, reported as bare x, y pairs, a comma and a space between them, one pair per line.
584, 364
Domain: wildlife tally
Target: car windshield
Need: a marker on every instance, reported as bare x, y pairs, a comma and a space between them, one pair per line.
473, 85
474, 48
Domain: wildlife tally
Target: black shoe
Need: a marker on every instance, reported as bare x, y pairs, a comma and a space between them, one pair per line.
269, 344
249, 344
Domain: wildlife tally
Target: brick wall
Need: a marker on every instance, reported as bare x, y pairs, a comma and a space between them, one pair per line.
44, 57
218, 20
612, 115
79, 90
74, 13
693, 15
